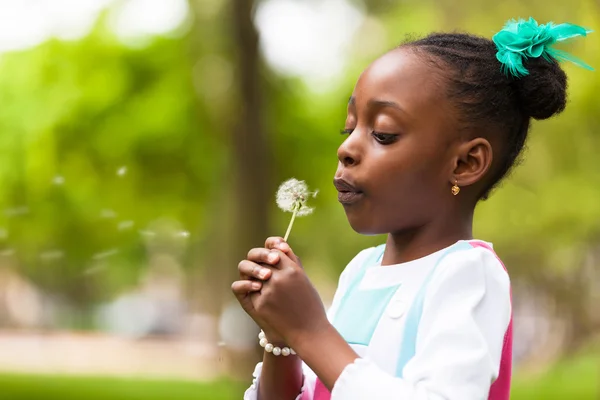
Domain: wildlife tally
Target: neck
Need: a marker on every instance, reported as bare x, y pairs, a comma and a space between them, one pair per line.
415, 243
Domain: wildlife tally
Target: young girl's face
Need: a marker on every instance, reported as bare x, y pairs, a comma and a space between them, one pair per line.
395, 169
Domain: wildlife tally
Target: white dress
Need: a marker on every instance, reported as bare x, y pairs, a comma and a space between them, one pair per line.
466, 310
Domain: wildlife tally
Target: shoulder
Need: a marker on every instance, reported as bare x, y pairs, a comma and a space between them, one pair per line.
472, 268
475, 259
471, 281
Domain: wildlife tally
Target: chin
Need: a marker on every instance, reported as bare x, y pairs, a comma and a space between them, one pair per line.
364, 226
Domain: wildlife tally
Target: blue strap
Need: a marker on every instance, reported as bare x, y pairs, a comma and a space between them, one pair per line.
372, 259
413, 317
359, 311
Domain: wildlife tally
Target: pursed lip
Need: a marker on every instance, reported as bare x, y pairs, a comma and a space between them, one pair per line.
343, 185
348, 193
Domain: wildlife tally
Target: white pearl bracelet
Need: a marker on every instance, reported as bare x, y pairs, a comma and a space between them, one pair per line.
269, 348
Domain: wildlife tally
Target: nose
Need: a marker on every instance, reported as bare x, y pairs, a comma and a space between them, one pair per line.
349, 152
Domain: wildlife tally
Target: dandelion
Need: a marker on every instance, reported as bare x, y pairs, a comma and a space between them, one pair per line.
292, 196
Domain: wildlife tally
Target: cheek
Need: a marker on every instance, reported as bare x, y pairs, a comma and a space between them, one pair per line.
411, 179
409, 166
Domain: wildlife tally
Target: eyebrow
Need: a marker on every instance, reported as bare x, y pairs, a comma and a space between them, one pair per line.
378, 103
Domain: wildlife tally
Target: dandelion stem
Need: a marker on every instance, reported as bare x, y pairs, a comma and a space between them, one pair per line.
289, 229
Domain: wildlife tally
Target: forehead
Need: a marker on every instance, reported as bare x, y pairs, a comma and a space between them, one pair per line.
405, 78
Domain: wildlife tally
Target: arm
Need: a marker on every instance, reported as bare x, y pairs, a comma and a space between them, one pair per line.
281, 377
465, 317
288, 377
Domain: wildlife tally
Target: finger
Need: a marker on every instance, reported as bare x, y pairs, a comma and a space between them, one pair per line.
273, 242
242, 288
262, 255
287, 250
251, 269
243, 291
276, 242
288, 261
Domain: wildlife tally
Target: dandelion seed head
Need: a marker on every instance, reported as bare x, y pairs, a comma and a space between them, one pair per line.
292, 195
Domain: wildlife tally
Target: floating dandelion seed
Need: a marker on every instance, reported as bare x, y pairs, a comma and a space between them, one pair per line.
122, 171
124, 225
16, 211
108, 213
183, 234
147, 233
94, 270
105, 254
7, 252
292, 196
51, 255
58, 180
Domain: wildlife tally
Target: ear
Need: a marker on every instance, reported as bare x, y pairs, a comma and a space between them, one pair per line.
473, 160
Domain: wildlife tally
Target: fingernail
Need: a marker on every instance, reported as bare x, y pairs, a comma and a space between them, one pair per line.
284, 246
263, 273
256, 285
272, 257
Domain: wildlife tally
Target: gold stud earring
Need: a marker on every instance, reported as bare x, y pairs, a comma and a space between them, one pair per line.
455, 188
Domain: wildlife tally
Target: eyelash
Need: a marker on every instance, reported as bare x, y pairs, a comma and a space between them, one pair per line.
381, 138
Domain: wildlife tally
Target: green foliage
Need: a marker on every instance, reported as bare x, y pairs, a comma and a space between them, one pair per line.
95, 134
80, 111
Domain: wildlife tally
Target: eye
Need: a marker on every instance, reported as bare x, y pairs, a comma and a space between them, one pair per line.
346, 131
385, 138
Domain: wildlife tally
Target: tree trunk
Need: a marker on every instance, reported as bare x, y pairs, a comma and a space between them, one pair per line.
251, 152
240, 216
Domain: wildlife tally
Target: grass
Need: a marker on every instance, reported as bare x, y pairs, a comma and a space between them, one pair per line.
574, 379
43, 387
577, 378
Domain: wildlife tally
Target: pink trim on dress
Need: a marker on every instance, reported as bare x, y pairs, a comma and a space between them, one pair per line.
321, 392
500, 389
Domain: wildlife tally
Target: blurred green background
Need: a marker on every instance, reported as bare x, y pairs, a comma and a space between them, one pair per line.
142, 142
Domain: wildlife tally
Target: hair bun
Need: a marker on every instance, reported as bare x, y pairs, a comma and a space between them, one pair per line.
542, 93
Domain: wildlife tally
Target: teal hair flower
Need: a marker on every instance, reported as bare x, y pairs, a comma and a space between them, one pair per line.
520, 40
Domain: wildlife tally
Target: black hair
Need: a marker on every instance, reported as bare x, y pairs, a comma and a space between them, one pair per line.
487, 99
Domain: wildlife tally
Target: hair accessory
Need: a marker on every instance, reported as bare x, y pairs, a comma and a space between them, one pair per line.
269, 348
520, 40
455, 189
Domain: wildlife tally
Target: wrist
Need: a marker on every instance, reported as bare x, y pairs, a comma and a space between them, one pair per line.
277, 348
272, 338
323, 334
327, 353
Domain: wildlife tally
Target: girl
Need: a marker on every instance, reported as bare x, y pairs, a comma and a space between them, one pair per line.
433, 126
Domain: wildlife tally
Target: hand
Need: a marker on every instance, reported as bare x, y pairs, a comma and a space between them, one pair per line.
288, 303
256, 269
